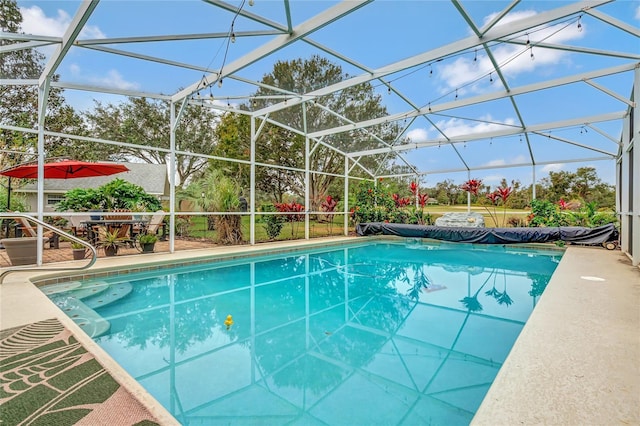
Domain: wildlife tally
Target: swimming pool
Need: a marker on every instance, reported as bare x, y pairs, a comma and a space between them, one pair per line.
386, 332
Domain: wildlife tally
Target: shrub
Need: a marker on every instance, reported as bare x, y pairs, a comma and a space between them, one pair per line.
117, 194
545, 213
273, 223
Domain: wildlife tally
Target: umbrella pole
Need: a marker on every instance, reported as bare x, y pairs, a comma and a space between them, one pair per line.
6, 229
9, 195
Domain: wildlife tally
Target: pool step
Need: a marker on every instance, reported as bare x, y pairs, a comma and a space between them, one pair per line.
89, 289
111, 294
78, 301
60, 287
90, 322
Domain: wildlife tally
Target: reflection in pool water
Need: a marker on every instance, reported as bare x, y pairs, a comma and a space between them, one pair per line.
382, 333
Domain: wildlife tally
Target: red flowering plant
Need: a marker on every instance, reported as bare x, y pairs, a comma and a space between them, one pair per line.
401, 202
418, 214
422, 199
329, 206
500, 194
493, 197
472, 186
563, 204
414, 188
292, 218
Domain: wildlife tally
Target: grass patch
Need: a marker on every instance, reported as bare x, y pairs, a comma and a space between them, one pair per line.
316, 229
319, 228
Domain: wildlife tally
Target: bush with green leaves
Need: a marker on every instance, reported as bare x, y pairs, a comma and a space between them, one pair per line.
419, 217
117, 194
373, 203
546, 213
273, 223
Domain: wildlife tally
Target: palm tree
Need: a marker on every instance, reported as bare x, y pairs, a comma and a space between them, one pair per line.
219, 193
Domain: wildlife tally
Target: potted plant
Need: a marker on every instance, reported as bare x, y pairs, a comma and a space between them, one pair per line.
78, 250
21, 251
110, 241
147, 242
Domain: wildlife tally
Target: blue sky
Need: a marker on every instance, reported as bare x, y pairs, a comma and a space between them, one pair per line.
379, 34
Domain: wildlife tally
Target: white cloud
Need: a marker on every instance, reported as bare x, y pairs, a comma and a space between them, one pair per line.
114, 79
492, 179
417, 135
472, 71
74, 69
555, 167
456, 127
519, 159
34, 21
495, 163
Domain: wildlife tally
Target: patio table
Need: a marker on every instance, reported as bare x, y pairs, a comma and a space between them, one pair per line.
113, 224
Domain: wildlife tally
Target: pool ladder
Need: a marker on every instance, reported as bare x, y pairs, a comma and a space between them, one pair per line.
58, 231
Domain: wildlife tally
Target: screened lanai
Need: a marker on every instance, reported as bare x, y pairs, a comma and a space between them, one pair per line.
467, 89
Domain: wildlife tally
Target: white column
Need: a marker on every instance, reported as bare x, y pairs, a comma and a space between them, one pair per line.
633, 184
627, 186
43, 97
468, 193
172, 176
252, 183
533, 186
623, 193
307, 175
346, 195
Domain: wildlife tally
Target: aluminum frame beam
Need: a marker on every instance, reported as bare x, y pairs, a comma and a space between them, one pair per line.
498, 133
495, 33
319, 21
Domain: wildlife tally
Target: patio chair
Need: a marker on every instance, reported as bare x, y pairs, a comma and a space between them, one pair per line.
78, 227
25, 227
157, 220
122, 229
118, 216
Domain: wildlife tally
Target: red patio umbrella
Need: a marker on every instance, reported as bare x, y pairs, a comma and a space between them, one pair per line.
64, 169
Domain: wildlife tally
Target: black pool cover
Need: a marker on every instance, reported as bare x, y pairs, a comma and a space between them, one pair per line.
572, 234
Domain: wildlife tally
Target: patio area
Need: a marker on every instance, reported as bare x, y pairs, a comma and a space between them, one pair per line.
65, 253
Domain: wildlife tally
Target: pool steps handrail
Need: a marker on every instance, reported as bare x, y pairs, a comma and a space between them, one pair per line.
58, 231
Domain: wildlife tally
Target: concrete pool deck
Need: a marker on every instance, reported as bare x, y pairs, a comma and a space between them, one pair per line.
577, 360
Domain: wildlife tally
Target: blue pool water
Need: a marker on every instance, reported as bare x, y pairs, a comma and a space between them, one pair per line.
392, 333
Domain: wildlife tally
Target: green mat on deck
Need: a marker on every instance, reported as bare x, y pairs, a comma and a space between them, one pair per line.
48, 378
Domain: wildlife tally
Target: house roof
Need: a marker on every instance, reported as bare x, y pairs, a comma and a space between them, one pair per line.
151, 177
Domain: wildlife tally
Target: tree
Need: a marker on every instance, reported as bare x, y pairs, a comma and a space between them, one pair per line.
583, 185
557, 185
232, 136
220, 195
355, 104
274, 145
447, 191
141, 121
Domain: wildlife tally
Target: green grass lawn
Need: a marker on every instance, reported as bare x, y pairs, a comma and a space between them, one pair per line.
289, 231
323, 229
